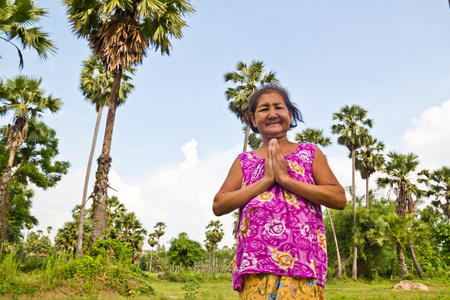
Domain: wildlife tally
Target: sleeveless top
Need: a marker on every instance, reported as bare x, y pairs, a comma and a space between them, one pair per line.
280, 232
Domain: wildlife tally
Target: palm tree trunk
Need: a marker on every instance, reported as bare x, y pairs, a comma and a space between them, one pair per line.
355, 249
16, 136
214, 259
79, 251
367, 193
151, 258
401, 260
209, 264
419, 270
337, 247
104, 165
247, 132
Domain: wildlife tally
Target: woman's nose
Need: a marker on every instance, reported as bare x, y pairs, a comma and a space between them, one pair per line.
272, 113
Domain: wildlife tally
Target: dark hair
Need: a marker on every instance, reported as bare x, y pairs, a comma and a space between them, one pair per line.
273, 88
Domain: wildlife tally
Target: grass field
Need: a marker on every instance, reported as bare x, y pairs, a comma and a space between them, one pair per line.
222, 290
342, 290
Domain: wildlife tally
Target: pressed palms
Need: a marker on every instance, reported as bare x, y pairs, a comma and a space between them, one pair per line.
23, 97
352, 132
214, 235
368, 161
247, 78
399, 170
16, 21
399, 230
95, 84
438, 183
120, 33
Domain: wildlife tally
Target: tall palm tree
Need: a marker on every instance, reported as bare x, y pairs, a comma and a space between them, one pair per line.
23, 97
120, 33
214, 235
438, 183
352, 132
315, 136
368, 161
152, 241
95, 84
16, 19
247, 78
399, 169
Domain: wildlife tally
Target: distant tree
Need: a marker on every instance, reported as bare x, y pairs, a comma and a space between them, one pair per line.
214, 235
159, 229
254, 141
247, 78
399, 169
315, 136
152, 241
184, 251
352, 131
438, 182
16, 19
368, 161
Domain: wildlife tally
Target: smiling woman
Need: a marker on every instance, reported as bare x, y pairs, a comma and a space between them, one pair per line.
279, 189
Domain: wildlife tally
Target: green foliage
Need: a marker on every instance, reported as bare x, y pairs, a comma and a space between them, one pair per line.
184, 251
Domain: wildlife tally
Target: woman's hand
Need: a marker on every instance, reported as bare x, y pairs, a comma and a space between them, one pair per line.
279, 164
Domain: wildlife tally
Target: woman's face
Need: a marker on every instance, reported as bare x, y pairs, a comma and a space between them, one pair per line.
271, 117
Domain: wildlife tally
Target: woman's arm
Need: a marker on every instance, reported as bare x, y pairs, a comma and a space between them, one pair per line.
231, 196
327, 190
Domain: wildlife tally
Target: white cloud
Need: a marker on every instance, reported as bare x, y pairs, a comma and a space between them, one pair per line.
430, 137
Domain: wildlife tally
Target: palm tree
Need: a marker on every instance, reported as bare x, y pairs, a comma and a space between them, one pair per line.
120, 33
315, 136
399, 169
23, 97
95, 84
247, 78
16, 20
368, 161
160, 226
311, 135
214, 235
254, 140
399, 230
438, 183
353, 133
152, 241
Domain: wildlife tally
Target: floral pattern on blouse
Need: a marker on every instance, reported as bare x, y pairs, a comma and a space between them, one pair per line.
280, 232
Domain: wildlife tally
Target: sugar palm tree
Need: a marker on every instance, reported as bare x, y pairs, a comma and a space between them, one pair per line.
24, 99
152, 241
247, 78
160, 226
438, 183
16, 21
368, 161
95, 84
214, 235
399, 169
120, 33
352, 131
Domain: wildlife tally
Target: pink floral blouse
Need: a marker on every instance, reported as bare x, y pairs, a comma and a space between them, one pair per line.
280, 232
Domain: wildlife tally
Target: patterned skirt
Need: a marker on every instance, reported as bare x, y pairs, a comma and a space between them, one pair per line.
271, 287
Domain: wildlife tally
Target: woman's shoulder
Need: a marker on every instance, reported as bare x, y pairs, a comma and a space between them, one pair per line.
306, 150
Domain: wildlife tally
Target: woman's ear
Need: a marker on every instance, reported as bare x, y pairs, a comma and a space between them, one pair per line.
252, 118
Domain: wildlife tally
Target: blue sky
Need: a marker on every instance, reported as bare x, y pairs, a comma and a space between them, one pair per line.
175, 139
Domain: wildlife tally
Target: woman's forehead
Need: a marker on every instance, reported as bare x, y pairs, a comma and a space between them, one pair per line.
270, 98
